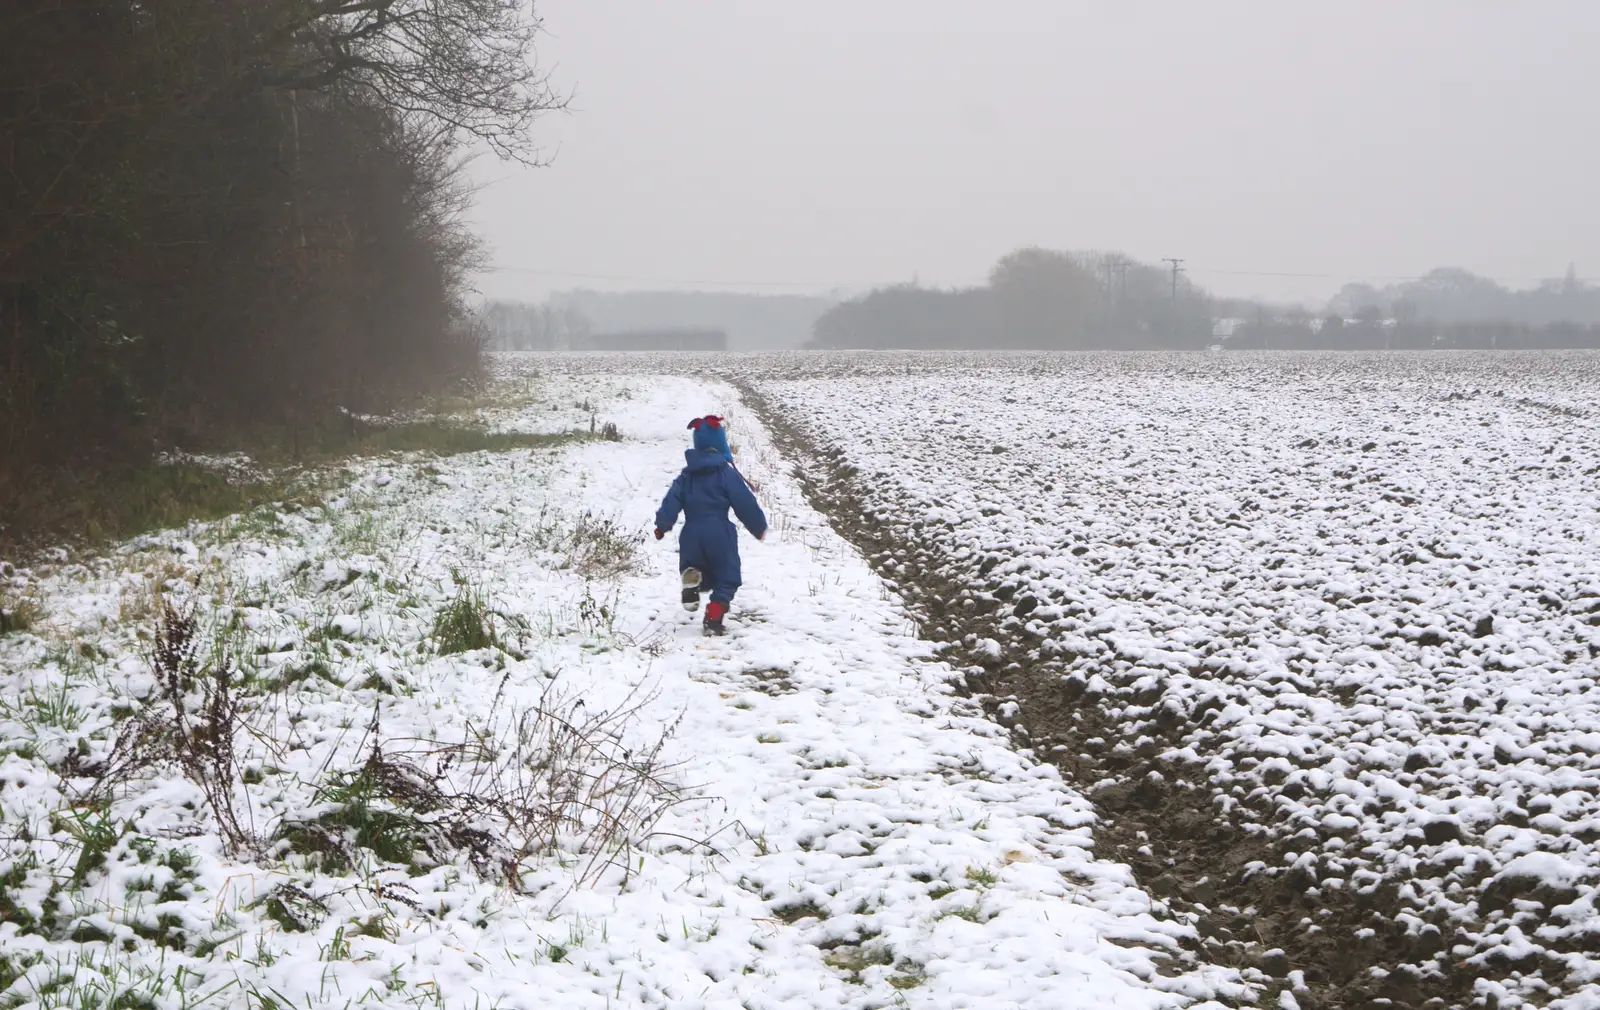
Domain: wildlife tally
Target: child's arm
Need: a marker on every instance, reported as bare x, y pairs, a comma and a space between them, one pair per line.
671, 505
744, 503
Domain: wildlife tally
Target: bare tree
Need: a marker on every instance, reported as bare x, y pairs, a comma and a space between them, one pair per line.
466, 67
238, 214
1044, 298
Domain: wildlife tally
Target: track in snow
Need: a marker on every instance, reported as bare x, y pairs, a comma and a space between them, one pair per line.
862, 838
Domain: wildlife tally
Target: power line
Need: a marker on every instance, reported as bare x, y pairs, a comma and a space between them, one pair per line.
1120, 267
1363, 277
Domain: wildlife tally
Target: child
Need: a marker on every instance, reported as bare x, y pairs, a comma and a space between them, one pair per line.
708, 548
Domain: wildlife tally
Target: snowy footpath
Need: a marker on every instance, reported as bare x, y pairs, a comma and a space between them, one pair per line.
801, 814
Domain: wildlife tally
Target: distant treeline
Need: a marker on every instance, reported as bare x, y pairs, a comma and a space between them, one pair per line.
1452, 295
752, 322
1036, 299
1050, 300
522, 326
237, 213
1336, 333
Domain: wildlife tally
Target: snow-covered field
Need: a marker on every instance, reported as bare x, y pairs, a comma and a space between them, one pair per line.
1355, 599
587, 805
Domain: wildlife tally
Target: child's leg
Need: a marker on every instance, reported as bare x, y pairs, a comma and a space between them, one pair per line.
724, 581
692, 568
692, 553
725, 578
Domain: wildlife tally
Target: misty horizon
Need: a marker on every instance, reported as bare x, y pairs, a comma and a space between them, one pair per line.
1281, 151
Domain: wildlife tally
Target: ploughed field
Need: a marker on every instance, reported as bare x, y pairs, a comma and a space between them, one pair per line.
1326, 629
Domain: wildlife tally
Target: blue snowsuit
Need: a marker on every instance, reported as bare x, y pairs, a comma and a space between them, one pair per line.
704, 492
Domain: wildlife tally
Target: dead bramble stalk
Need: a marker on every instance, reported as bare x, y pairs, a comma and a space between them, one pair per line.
602, 549
526, 785
192, 723
565, 778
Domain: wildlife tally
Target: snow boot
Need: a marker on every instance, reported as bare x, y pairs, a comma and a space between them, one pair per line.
715, 612
691, 589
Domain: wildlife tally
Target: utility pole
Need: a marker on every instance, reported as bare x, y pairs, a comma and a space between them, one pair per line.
1120, 265
1177, 268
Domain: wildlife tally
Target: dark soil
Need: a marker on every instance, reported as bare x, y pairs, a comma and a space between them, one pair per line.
1156, 816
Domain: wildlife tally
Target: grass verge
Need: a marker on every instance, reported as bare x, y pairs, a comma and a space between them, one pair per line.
91, 505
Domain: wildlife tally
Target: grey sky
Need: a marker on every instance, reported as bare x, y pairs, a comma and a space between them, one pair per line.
853, 142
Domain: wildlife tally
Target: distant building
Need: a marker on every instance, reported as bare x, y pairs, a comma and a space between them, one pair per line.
657, 340
1222, 329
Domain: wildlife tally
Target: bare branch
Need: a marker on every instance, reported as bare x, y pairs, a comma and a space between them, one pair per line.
468, 64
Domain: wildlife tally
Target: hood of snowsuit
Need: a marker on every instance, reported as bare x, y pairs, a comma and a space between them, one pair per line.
710, 434
703, 460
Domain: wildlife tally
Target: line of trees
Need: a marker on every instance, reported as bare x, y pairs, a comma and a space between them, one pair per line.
238, 212
1038, 299
1453, 295
1446, 309
521, 326
1050, 300
752, 321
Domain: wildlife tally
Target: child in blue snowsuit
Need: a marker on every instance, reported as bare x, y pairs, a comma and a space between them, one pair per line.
708, 548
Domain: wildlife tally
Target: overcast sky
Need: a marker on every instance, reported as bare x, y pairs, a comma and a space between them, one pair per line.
798, 146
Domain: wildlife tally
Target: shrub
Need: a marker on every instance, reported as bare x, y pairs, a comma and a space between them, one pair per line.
465, 623
602, 549
19, 614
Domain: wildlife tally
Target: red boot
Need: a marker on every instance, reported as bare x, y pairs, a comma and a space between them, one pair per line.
715, 612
